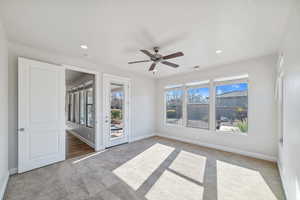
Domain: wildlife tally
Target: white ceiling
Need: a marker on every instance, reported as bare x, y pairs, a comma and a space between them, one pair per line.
115, 30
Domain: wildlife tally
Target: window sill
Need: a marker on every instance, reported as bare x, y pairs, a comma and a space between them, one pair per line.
232, 133
207, 130
174, 125
196, 128
181, 126
79, 125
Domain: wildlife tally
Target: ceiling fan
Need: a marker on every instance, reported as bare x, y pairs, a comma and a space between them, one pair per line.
157, 58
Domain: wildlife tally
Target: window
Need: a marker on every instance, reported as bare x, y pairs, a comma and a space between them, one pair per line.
82, 108
69, 106
218, 105
81, 105
198, 107
89, 107
232, 107
76, 107
72, 108
174, 100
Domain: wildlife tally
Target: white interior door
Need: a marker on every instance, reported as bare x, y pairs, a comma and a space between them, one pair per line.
41, 128
116, 110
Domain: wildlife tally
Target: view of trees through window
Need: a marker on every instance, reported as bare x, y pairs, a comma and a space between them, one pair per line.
174, 106
232, 107
117, 110
198, 108
189, 105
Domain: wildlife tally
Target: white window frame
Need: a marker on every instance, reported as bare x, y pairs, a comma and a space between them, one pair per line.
170, 88
216, 83
77, 91
204, 84
211, 84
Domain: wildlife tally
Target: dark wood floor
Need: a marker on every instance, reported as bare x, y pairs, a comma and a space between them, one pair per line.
76, 147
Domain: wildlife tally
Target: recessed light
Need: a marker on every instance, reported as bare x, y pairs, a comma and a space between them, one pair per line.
218, 51
84, 46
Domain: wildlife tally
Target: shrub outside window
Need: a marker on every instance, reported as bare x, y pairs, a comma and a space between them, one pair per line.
217, 105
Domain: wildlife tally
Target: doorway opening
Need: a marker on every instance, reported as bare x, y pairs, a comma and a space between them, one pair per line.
80, 113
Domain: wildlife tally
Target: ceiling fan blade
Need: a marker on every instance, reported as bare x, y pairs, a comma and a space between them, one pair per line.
147, 53
152, 66
174, 55
170, 64
141, 61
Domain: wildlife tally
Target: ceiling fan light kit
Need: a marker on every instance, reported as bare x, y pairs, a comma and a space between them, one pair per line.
158, 58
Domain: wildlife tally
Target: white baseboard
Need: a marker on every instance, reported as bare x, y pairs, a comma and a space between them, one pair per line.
142, 137
81, 138
3, 185
13, 171
100, 148
284, 185
222, 148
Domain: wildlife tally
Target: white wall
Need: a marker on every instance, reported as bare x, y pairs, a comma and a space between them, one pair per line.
291, 120
3, 112
143, 93
261, 140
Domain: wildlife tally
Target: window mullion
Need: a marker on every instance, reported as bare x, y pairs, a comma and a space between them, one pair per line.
184, 107
79, 113
86, 108
212, 107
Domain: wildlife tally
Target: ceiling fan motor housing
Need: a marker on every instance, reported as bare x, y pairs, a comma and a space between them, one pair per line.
158, 58
156, 49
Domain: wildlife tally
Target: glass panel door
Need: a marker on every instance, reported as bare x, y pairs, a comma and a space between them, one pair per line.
117, 99
116, 107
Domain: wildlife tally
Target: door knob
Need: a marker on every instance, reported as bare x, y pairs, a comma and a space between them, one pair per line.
21, 129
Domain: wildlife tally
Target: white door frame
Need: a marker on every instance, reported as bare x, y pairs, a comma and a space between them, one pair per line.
128, 124
97, 116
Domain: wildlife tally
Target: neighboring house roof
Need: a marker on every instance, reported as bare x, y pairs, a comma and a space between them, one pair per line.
234, 94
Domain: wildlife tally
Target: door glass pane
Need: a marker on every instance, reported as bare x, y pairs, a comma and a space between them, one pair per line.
117, 110
232, 107
198, 108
